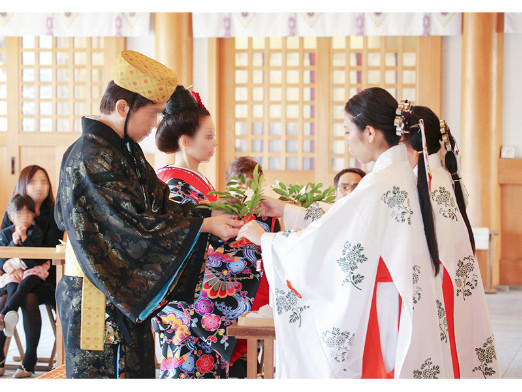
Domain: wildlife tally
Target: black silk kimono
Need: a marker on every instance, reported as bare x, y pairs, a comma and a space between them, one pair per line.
135, 245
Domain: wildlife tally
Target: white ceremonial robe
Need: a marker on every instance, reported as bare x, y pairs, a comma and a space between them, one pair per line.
322, 282
473, 334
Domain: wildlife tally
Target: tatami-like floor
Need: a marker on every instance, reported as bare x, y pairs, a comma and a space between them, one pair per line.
505, 309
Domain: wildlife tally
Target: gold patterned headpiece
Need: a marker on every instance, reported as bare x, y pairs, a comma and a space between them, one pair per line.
402, 117
445, 131
140, 74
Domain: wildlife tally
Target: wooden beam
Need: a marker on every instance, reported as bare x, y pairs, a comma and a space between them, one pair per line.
429, 76
510, 171
481, 127
174, 48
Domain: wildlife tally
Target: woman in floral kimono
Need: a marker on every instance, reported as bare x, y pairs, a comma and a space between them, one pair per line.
192, 334
469, 327
355, 291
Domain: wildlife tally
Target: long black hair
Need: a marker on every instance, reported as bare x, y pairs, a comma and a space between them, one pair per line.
377, 107
433, 141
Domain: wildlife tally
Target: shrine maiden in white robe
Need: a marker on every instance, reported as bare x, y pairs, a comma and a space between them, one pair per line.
475, 346
322, 282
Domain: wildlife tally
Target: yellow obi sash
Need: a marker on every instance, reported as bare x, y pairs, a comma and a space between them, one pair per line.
92, 335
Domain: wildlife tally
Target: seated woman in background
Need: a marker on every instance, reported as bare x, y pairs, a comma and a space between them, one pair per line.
346, 180
193, 338
34, 181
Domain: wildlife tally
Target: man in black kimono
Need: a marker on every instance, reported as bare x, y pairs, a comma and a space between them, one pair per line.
130, 249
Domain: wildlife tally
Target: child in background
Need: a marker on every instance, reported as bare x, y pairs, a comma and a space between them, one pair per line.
19, 276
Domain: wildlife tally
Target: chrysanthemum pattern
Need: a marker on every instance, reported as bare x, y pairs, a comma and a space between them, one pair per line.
486, 355
397, 200
446, 203
288, 302
443, 322
287, 233
465, 279
427, 370
351, 257
338, 342
314, 212
417, 291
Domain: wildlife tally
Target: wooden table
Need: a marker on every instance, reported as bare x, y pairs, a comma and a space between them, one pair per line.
57, 256
253, 334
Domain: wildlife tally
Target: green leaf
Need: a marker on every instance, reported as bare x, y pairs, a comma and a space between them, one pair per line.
261, 179
280, 192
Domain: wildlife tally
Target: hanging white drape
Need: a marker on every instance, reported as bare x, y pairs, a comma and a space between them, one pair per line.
75, 24
513, 22
267, 24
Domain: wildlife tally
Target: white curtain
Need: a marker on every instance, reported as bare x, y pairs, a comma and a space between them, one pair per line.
513, 22
75, 24
251, 24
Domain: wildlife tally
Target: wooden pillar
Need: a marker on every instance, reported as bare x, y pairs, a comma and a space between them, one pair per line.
481, 124
174, 48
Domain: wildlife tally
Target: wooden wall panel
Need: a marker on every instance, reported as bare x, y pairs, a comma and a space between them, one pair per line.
510, 171
408, 67
61, 79
510, 179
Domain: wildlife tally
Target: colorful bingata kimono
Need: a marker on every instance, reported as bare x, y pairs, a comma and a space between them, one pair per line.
354, 293
131, 242
470, 333
192, 334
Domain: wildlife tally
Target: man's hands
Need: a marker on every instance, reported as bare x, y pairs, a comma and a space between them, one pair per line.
221, 226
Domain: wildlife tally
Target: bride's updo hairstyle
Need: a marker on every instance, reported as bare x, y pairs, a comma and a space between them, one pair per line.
181, 116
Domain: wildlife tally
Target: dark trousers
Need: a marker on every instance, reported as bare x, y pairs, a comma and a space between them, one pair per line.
16, 293
20, 296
